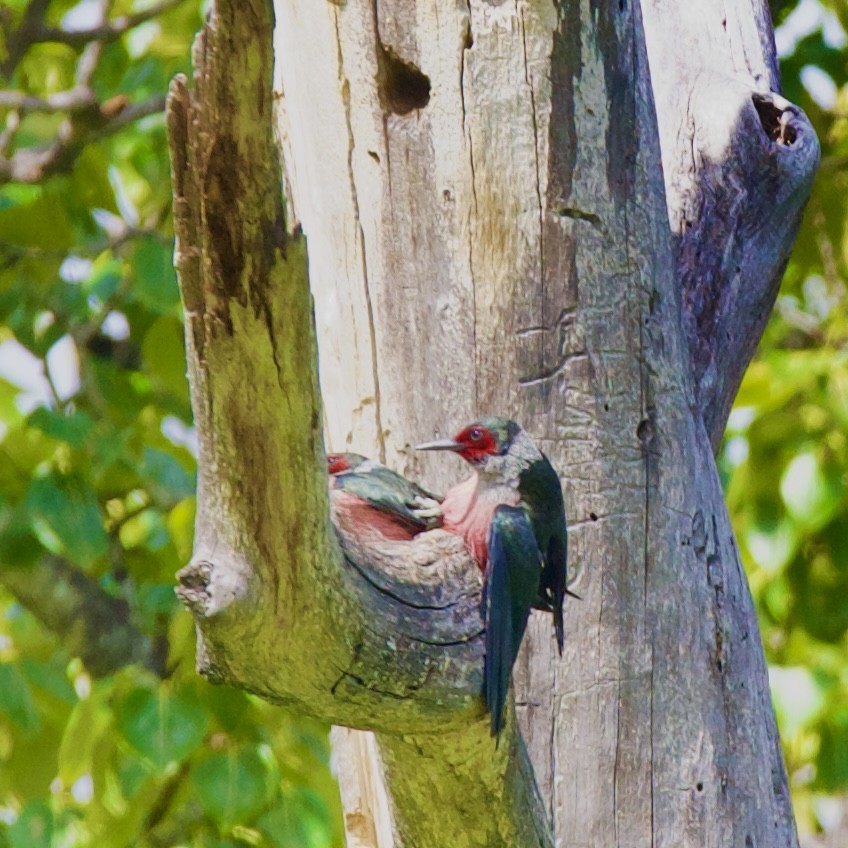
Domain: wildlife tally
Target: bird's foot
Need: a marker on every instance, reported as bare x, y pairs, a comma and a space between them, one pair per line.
427, 510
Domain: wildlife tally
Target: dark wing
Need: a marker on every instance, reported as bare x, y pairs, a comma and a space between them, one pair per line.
389, 492
554, 577
541, 490
512, 584
552, 583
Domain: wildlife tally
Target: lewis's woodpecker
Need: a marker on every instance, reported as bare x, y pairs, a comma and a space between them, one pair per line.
369, 498
512, 516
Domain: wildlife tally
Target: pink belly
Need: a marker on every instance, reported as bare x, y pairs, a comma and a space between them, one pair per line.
469, 516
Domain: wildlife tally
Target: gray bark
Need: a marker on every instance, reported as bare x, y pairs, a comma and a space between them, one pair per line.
481, 189
739, 161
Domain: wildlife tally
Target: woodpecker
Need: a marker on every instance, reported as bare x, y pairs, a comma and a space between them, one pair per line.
369, 498
512, 516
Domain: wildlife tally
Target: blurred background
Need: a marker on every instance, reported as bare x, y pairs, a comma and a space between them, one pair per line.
107, 736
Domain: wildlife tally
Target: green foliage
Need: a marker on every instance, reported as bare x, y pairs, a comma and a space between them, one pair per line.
785, 456
97, 472
96, 469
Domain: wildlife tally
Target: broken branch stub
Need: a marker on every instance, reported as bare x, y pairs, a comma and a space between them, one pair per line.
738, 165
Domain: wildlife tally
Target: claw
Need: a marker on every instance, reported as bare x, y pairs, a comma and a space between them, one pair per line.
426, 507
427, 510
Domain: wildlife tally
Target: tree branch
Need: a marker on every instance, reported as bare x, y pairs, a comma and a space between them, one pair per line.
96, 122
408, 658
105, 32
739, 162
114, 241
729, 289
91, 623
87, 119
20, 41
76, 99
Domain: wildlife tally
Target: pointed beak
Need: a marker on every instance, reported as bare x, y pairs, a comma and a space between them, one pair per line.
441, 444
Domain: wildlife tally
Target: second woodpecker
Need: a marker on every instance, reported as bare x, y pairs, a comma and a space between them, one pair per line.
512, 516
370, 500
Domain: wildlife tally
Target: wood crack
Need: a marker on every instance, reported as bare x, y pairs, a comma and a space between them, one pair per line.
394, 596
528, 79
372, 327
468, 42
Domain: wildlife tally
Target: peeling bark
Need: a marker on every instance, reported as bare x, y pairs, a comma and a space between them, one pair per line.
481, 189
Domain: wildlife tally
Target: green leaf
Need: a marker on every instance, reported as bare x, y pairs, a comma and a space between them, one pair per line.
18, 546
132, 774
50, 677
112, 66
156, 602
88, 721
154, 607
811, 495
43, 223
166, 476
9, 412
73, 427
124, 397
91, 180
163, 350
772, 544
180, 523
302, 820
797, 696
155, 281
146, 530
20, 194
232, 787
832, 762
65, 517
23, 449
164, 727
104, 280
16, 700
231, 708
34, 827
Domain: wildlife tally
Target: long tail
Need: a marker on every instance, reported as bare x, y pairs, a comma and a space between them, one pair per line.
500, 655
512, 580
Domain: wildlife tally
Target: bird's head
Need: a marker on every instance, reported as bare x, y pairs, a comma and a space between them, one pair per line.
488, 445
339, 462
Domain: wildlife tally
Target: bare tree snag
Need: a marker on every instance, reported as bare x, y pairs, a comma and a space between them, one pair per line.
388, 639
739, 162
481, 188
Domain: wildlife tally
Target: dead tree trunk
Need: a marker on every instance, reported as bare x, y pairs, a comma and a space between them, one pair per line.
482, 192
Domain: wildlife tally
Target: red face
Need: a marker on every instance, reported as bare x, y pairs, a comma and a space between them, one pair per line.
478, 443
336, 463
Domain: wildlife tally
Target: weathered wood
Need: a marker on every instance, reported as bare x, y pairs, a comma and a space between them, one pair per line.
481, 188
739, 162
365, 798
387, 638
504, 248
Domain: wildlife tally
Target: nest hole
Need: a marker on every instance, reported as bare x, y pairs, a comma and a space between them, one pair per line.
403, 88
776, 122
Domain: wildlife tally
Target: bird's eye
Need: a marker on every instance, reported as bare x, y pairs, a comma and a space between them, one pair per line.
476, 434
